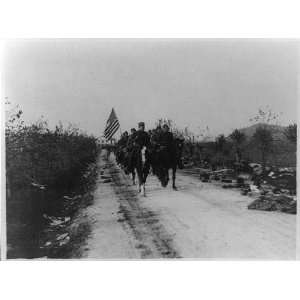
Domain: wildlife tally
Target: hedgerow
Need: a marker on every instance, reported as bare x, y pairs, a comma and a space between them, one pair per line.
44, 167
54, 158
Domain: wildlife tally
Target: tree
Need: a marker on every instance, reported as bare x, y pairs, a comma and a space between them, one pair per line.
238, 138
265, 116
220, 143
291, 133
264, 140
263, 136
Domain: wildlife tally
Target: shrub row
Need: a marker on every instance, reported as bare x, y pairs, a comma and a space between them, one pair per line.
51, 158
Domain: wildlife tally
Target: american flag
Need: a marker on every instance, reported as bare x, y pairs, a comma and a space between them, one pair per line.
112, 125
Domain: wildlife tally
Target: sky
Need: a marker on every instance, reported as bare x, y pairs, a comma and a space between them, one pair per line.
198, 83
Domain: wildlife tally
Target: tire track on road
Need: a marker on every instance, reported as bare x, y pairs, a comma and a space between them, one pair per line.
152, 238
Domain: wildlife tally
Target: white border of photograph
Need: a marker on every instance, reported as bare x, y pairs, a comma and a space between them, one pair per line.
150, 280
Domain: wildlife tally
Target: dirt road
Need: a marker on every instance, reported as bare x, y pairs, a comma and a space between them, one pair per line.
200, 220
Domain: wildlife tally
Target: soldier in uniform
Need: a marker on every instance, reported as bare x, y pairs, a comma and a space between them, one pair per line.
130, 148
131, 138
121, 146
170, 146
166, 138
142, 137
165, 141
156, 135
141, 140
123, 140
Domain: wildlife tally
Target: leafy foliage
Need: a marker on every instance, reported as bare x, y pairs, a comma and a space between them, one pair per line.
220, 143
37, 154
264, 140
237, 137
265, 116
291, 133
43, 165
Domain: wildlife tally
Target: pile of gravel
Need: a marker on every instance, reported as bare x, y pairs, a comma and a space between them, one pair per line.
273, 202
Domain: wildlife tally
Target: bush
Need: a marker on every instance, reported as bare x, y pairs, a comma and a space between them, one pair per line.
53, 158
43, 165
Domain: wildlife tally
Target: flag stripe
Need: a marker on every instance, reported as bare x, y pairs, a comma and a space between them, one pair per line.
109, 135
116, 125
112, 129
112, 125
108, 127
113, 132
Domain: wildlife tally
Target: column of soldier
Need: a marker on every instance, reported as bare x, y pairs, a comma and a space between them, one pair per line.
128, 144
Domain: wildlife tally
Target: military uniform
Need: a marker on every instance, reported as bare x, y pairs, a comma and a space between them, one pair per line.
121, 150
171, 148
166, 139
123, 141
130, 148
142, 139
156, 136
130, 141
165, 143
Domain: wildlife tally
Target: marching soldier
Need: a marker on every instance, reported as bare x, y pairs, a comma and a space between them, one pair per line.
165, 138
142, 137
141, 140
121, 147
156, 135
131, 138
123, 140
168, 143
130, 148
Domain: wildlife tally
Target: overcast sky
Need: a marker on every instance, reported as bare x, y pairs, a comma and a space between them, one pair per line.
196, 83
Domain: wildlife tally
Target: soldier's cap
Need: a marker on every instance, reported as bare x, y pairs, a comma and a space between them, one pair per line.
141, 124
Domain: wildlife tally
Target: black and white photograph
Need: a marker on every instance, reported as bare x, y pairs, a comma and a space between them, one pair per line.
150, 149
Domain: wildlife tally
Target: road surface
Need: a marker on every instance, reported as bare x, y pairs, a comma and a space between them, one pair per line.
200, 220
